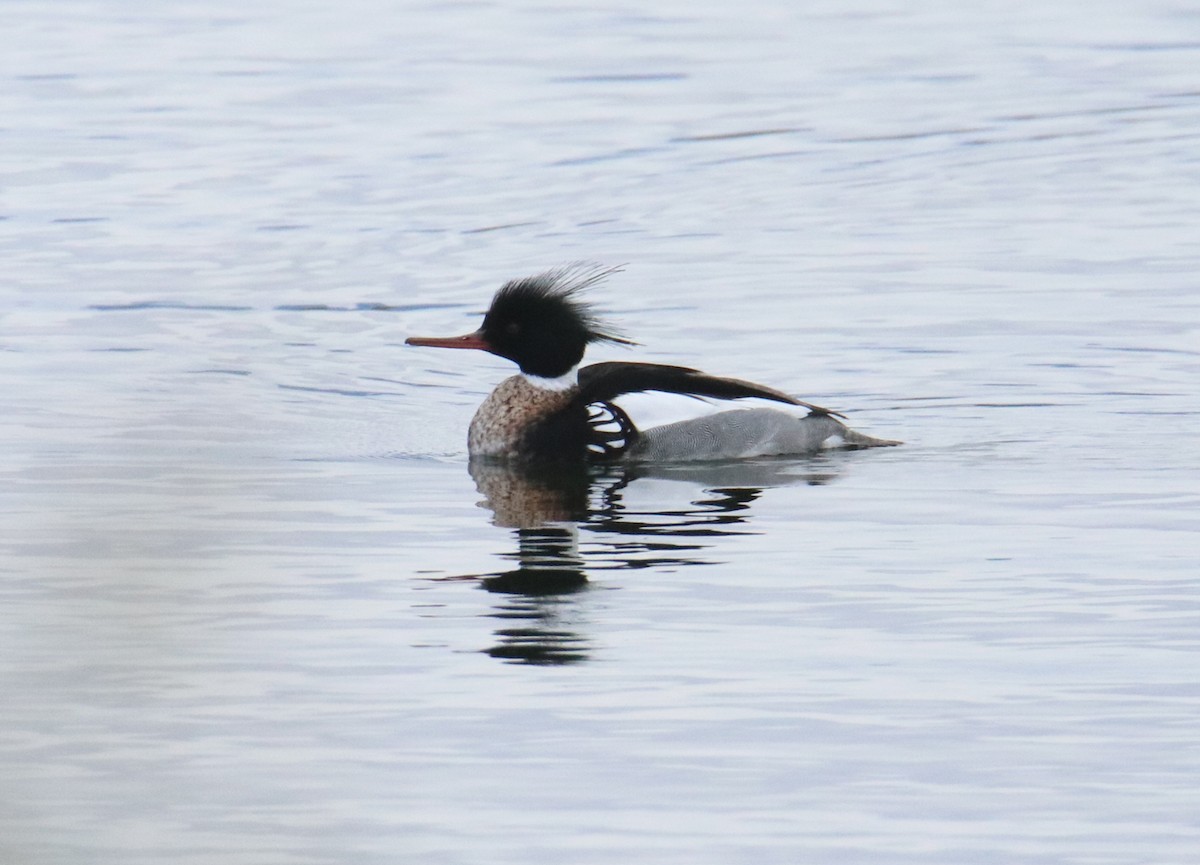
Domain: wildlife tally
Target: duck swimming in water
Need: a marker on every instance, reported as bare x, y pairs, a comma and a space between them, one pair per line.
556, 410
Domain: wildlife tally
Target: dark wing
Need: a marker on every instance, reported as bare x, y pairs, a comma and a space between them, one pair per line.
601, 382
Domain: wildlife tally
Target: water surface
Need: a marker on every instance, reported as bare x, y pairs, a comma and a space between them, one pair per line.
257, 608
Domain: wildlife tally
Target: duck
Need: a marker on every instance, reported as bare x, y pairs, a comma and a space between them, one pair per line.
556, 410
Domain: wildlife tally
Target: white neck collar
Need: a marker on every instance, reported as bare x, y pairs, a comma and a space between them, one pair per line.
557, 385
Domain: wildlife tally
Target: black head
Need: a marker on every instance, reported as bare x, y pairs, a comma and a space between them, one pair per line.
539, 322
542, 324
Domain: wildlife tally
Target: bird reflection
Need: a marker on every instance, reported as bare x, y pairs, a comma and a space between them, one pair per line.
541, 600
537, 608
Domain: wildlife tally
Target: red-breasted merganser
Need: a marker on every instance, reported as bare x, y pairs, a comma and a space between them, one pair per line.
556, 410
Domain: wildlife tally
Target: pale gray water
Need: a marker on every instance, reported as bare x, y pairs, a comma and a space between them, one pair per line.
250, 611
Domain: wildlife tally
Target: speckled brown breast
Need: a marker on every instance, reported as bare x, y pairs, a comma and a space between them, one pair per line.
510, 411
